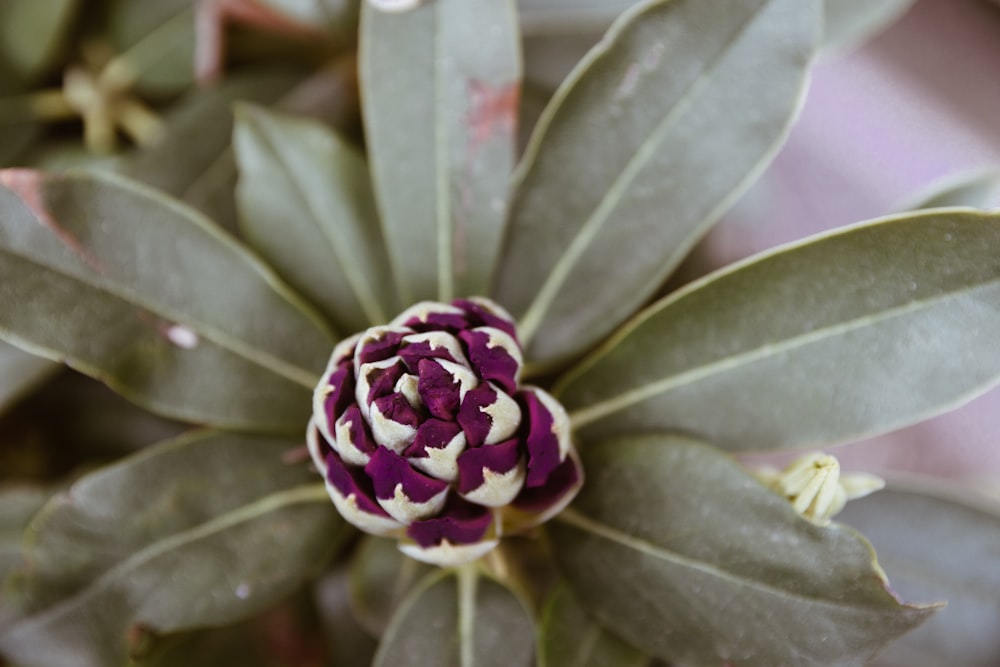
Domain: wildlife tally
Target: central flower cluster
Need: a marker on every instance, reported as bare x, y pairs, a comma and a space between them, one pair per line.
422, 430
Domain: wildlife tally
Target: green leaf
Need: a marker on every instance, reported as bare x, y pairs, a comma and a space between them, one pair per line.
380, 578
460, 619
194, 160
32, 31
975, 188
348, 643
306, 205
569, 637
845, 335
548, 17
678, 550
204, 530
642, 148
18, 504
144, 294
19, 373
440, 86
938, 544
157, 41
849, 23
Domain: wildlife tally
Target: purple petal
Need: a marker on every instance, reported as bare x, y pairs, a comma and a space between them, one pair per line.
438, 321
396, 408
491, 363
388, 469
438, 389
563, 481
435, 433
480, 316
471, 417
460, 522
382, 381
500, 458
358, 430
412, 353
349, 480
341, 383
542, 441
380, 348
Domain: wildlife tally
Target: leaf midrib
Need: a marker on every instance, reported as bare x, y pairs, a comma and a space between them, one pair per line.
595, 222
276, 501
254, 355
627, 399
586, 524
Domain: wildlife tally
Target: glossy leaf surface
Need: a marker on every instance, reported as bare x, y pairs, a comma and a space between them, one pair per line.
462, 619
939, 545
643, 147
141, 292
306, 205
204, 530
827, 340
440, 86
677, 549
569, 637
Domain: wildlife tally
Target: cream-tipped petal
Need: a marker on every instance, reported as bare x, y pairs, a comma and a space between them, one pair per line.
560, 419
447, 554
441, 462
423, 310
405, 510
498, 488
389, 433
359, 518
505, 417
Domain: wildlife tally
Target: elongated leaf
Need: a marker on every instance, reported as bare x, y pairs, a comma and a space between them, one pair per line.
849, 334
848, 23
677, 549
157, 40
547, 17
976, 188
19, 373
938, 545
306, 205
18, 504
569, 637
461, 619
339, 17
141, 292
440, 86
643, 147
381, 577
31, 32
203, 530
194, 160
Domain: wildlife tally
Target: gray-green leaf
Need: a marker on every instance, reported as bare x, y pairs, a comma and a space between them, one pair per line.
849, 23
157, 41
306, 205
31, 32
18, 504
642, 148
458, 619
204, 530
20, 372
440, 87
828, 340
938, 545
141, 292
977, 189
569, 637
677, 549
380, 578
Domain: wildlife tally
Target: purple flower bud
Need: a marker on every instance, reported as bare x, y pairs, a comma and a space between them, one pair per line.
422, 430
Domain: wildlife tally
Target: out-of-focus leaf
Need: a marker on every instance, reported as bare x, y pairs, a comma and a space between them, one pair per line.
440, 86
849, 23
827, 340
569, 637
14, 139
642, 148
306, 205
31, 32
548, 17
337, 16
976, 189
20, 372
349, 644
157, 40
194, 160
210, 648
678, 550
143, 293
204, 530
18, 504
381, 577
458, 618
938, 544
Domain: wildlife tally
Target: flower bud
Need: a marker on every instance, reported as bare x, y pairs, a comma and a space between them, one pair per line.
422, 431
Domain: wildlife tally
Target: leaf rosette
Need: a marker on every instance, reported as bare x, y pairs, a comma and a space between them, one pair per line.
422, 429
